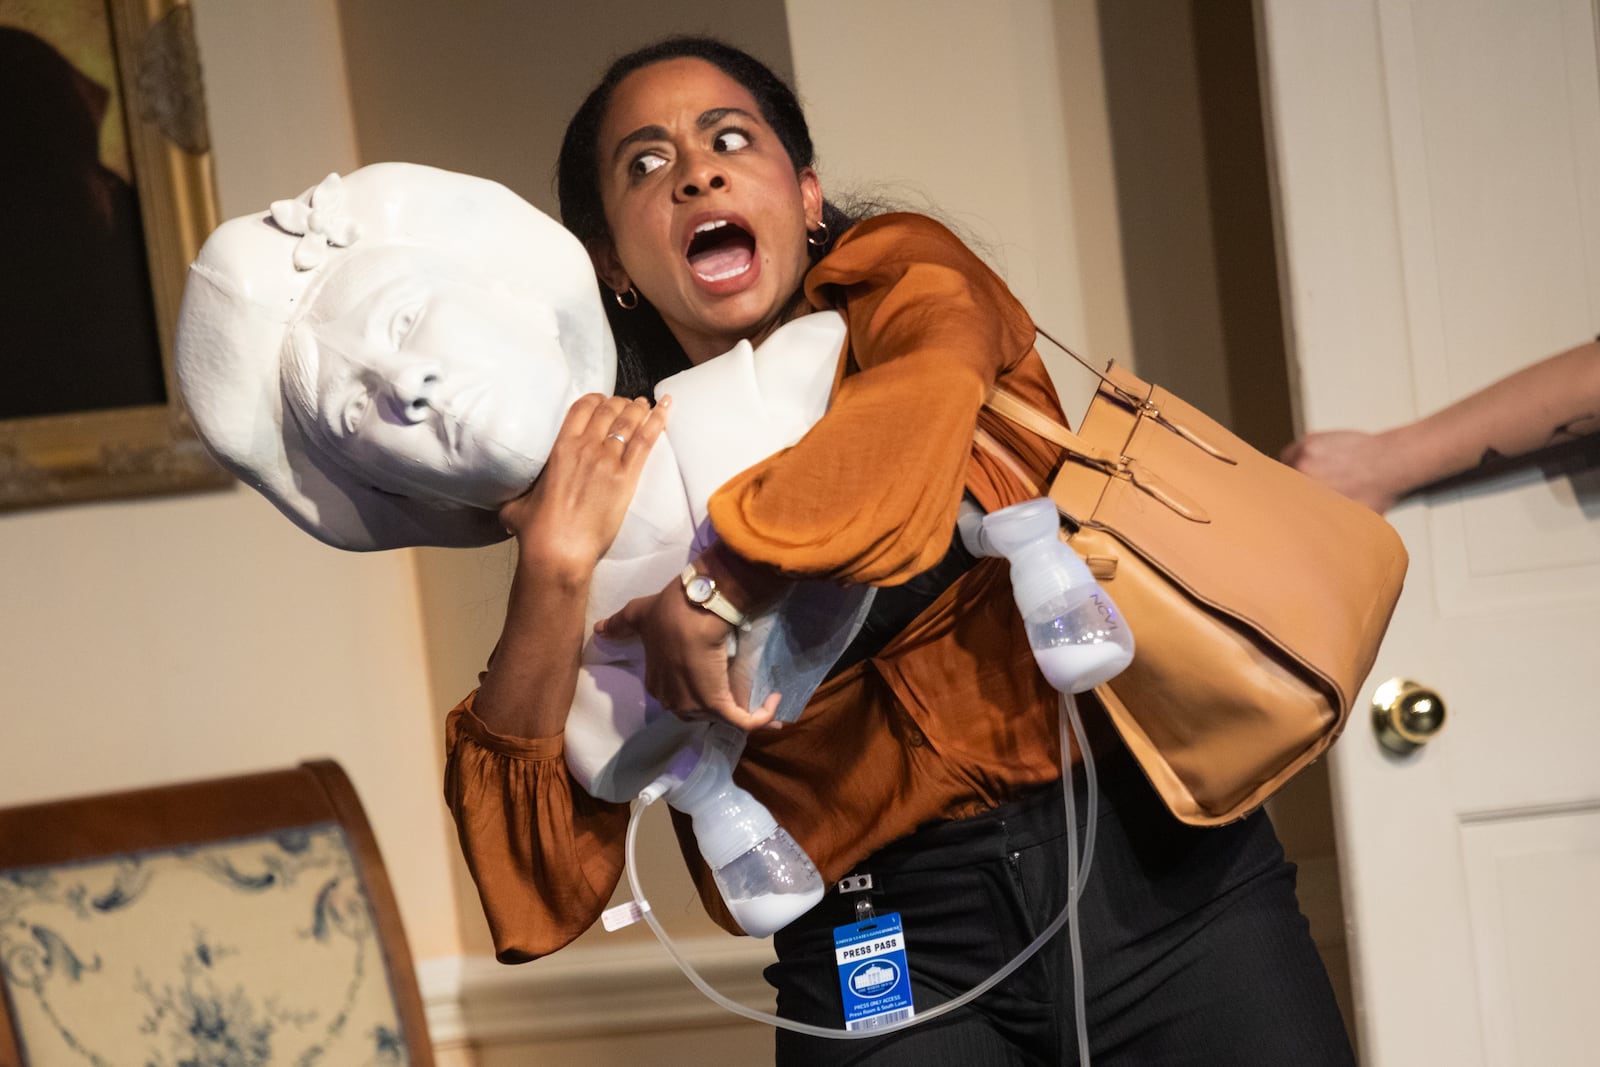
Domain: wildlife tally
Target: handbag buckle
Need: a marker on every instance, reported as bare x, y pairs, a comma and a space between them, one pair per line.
1146, 408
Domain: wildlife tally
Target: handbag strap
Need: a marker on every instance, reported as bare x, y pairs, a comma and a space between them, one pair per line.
1090, 367
1144, 405
1010, 406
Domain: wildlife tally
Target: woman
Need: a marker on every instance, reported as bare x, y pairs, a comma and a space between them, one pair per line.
927, 760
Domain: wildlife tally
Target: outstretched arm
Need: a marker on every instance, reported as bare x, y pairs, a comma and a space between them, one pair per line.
1554, 400
563, 525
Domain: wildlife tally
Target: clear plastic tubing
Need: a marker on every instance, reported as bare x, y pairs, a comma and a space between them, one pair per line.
1077, 877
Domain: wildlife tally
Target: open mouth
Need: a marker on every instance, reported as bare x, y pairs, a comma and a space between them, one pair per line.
720, 250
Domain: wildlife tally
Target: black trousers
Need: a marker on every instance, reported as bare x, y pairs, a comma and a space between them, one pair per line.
1195, 951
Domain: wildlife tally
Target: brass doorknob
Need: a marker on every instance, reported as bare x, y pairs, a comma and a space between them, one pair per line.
1405, 715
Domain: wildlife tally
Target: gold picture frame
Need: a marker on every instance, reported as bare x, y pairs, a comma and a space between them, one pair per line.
143, 448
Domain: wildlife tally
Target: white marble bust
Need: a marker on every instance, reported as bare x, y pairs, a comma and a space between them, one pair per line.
366, 355
388, 357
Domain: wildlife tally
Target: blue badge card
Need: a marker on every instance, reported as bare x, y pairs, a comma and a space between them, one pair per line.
873, 976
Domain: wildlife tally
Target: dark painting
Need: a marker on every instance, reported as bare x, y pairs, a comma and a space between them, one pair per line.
80, 327
105, 194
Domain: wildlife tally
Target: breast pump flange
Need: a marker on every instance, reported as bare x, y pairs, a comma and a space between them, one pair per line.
765, 878
1078, 636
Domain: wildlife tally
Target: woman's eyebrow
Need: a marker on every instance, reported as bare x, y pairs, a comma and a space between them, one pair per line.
710, 118
643, 133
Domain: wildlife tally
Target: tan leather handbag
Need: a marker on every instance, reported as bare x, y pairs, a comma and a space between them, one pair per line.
1257, 597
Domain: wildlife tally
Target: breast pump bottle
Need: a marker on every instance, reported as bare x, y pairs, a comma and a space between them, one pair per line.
766, 879
1076, 632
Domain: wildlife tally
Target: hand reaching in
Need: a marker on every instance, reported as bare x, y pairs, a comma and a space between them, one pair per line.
1359, 465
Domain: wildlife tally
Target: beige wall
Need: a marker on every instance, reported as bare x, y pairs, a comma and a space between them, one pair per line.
488, 87
186, 637
1194, 213
929, 103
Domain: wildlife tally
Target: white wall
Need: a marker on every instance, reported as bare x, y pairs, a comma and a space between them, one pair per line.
965, 111
185, 637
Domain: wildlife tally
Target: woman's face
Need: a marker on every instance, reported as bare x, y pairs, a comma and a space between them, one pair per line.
435, 384
708, 217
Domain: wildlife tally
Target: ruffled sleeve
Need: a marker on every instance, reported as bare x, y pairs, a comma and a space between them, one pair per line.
870, 494
544, 854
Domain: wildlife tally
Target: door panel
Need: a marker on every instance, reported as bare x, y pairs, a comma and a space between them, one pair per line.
1437, 193
1528, 875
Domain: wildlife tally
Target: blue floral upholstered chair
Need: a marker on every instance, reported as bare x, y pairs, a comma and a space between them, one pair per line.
238, 922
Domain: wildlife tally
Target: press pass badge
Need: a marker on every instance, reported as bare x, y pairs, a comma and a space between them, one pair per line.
873, 976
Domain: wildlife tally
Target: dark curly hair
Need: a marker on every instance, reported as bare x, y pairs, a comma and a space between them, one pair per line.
646, 350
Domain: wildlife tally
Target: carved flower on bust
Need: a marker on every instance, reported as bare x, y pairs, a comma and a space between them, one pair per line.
317, 216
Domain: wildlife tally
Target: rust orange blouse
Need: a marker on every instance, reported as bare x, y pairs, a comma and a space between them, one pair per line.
950, 719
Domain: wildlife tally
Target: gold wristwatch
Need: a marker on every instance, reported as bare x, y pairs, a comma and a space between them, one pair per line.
702, 591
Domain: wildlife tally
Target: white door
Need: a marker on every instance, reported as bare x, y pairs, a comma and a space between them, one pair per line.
1437, 170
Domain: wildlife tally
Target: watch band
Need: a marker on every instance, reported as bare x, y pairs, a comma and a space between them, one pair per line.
701, 589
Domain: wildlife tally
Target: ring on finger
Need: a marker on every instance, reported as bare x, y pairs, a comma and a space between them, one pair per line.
617, 437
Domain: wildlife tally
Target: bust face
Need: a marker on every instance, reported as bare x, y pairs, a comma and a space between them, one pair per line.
387, 357
429, 378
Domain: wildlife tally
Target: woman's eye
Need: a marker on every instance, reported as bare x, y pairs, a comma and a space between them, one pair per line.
645, 164
731, 141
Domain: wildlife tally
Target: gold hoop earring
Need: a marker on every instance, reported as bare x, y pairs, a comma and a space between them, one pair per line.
627, 301
817, 242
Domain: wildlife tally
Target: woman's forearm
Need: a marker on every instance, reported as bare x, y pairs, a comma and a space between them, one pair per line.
563, 524
686, 643
1553, 400
533, 675
750, 587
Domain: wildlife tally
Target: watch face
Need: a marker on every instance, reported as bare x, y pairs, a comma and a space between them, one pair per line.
699, 588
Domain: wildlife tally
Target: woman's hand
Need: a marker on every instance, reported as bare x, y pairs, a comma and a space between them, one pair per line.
1362, 466
563, 525
686, 646
575, 508
686, 658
